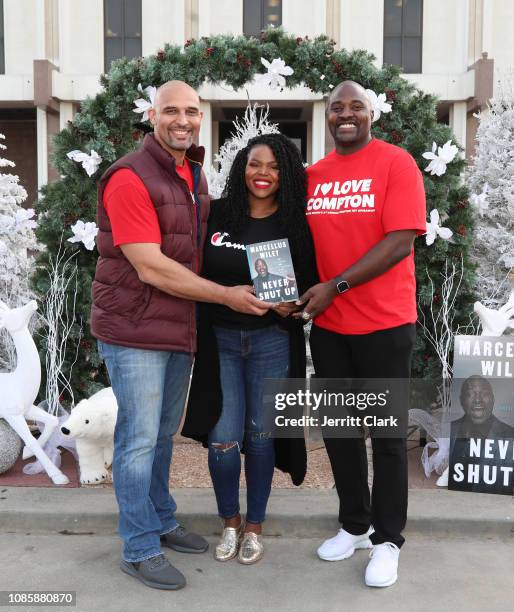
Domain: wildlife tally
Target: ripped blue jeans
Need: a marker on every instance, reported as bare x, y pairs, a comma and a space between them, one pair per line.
246, 358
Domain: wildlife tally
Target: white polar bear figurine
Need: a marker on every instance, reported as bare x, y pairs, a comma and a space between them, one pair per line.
92, 423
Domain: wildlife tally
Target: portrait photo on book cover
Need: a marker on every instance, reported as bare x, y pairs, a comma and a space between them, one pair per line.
481, 424
272, 272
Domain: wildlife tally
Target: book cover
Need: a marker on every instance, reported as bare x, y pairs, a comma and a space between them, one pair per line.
482, 415
272, 272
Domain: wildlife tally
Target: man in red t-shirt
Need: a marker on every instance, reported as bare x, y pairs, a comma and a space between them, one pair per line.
366, 204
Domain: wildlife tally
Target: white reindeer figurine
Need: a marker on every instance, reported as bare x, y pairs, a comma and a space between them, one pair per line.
19, 389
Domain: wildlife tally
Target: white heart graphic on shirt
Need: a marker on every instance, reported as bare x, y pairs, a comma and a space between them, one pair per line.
325, 188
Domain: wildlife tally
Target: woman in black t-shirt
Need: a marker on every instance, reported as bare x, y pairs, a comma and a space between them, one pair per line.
264, 200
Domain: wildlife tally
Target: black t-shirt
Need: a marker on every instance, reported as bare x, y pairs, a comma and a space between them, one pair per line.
225, 262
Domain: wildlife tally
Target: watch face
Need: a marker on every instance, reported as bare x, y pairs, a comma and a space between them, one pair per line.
342, 286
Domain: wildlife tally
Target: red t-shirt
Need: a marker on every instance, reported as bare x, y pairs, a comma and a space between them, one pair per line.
130, 209
353, 202
186, 173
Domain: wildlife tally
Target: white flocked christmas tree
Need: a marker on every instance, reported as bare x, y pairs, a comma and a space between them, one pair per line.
254, 123
17, 247
491, 183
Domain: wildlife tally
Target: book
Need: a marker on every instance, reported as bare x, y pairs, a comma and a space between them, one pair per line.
482, 415
272, 272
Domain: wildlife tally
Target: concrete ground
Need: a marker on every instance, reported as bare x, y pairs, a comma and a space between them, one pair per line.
458, 555
436, 574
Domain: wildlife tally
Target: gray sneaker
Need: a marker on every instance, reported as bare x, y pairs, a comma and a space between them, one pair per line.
156, 572
182, 540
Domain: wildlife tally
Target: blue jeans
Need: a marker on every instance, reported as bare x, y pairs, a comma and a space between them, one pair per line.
151, 389
246, 359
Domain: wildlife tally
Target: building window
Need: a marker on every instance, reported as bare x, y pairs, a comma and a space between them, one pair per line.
2, 39
403, 28
260, 14
122, 30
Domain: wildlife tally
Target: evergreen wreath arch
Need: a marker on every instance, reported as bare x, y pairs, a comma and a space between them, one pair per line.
108, 125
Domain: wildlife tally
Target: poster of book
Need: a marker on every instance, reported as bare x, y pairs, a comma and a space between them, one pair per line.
482, 415
272, 272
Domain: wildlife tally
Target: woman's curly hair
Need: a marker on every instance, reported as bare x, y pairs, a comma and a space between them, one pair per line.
234, 209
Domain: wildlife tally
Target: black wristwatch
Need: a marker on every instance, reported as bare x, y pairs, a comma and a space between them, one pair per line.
341, 285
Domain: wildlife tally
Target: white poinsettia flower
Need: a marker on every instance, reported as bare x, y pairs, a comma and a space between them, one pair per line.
143, 105
274, 78
378, 104
90, 162
24, 220
440, 157
85, 233
434, 229
479, 200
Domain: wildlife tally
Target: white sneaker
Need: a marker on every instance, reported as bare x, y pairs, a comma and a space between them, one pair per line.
382, 570
343, 545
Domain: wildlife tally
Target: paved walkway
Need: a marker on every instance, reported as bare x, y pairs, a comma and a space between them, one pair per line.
458, 555
436, 574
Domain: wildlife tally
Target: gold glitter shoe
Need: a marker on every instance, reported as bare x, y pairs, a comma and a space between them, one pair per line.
229, 543
251, 548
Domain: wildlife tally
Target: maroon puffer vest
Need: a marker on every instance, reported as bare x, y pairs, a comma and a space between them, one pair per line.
126, 311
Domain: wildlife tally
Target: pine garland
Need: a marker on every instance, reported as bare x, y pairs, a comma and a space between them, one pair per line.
108, 125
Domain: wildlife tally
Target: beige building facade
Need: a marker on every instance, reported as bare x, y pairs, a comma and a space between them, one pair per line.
54, 52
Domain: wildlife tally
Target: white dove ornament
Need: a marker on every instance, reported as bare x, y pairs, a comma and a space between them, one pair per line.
277, 70
434, 229
440, 157
495, 322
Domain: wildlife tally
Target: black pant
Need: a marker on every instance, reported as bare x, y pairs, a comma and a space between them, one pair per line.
383, 354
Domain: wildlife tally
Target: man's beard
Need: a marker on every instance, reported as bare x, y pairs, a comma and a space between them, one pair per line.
179, 146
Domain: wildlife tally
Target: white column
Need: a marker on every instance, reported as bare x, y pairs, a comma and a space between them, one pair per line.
42, 148
215, 138
462, 34
205, 136
303, 17
361, 26
487, 28
66, 114
204, 18
40, 29
318, 131
65, 34
163, 22
309, 143
458, 122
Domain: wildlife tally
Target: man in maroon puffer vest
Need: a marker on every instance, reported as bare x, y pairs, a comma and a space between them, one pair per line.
153, 207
